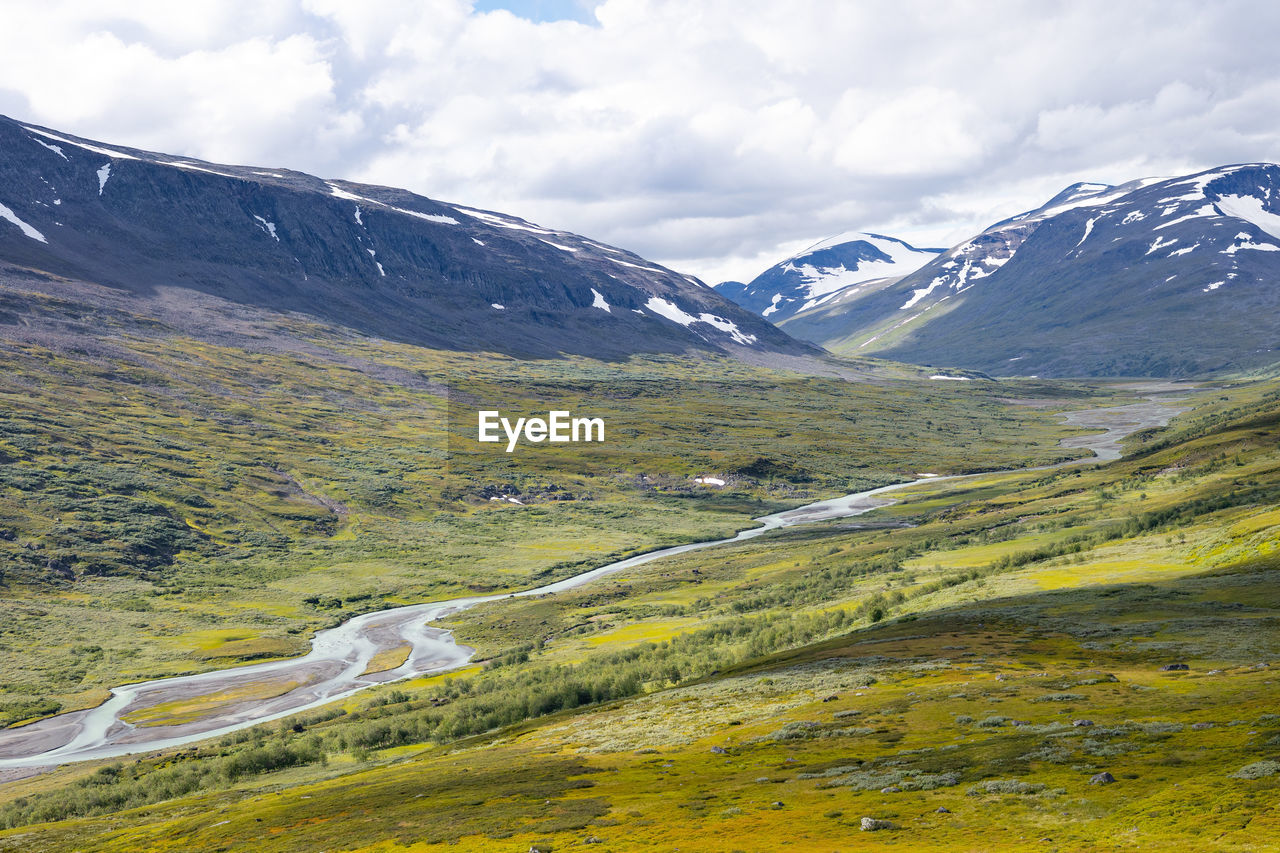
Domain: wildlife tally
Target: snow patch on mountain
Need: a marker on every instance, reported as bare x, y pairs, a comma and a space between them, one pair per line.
192, 167
1200, 182
727, 326
670, 310
921, 292
96, 149
558, 246
9, 215
1250, 209
968, 263
269, 228
633, 266
598, 301
439, 218
1205, 210
103, 174
676, 314
1088, 228
503, 222
901, 259
54, 148
1092, 198
339, 192
1250, 245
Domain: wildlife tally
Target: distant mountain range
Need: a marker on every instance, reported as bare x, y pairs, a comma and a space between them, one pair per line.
1156, 277
381, 261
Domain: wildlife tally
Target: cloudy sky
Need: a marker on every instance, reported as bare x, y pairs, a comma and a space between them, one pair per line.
715, 136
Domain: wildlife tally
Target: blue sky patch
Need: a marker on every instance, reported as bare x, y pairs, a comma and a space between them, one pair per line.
542, 11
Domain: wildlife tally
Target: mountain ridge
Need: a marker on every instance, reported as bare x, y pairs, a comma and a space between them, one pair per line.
1100, 280
384, 261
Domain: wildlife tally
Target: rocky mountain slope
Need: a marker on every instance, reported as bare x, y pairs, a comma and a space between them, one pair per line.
1156, 277
851, 264
382, 261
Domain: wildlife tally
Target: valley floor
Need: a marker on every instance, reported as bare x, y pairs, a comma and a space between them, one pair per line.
963, 666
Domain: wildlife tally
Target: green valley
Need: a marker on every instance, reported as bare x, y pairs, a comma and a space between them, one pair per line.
171, 504
986, 647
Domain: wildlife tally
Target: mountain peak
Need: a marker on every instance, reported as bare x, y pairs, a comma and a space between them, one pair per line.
1099, 280
837, 265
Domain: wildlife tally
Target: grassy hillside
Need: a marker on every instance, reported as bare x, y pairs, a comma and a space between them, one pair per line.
985, 648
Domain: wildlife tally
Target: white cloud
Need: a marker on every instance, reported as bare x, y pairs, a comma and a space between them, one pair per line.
919, 131
710, 134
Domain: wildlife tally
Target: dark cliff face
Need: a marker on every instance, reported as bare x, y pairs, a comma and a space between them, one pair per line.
382, 261
1159, 277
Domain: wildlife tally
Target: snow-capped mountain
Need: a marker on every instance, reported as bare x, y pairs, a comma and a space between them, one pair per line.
379, 260
838, 268
1159, 276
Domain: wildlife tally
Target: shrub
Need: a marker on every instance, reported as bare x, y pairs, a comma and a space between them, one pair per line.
1060, 697
1257, 770
1005, 786
875, 780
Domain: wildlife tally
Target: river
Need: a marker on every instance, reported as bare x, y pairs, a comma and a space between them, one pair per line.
335, 666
